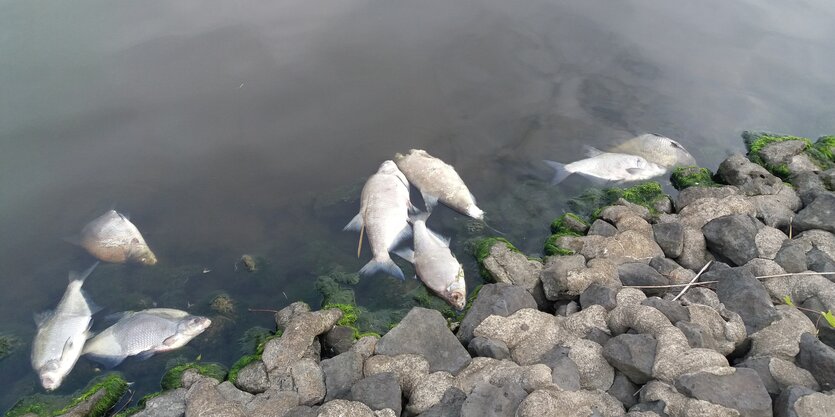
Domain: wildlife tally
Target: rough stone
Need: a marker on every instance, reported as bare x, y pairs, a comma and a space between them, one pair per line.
818, 404
231, 393
490, 348
624, 390
343, 408
818, 261
742, 293
817, 215
499, 299
424, 332
641, 274
273, 403
750, 178
694, 255
365, 346
204, 400
564, 372
740, 389
299, 335
809, 186
640, 246
487, 400
552, 402
691, 194
781, 339
338, 340
379, 392
670, 237
409, 368
428, 391
792, 255
819, 359
633, 355
283, 317
673, 310
671, 402
828, 178
599, 295
733, 237
566, 277
309, 381
768, 241
450, 405
720, 329
505, 265
253, 378
602, 228
341, 372
169, 404
780, 153
784, 404
778, 374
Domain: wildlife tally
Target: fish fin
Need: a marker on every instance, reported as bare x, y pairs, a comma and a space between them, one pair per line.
146, 354
429, 201
405, 253
42, 317
561, 172
442, 239
388, 266
405, 235
94, 308
635, 171
473, 198
67, 346
124, 216
355, 224
419, 216
109, 361
412, 209
591, 151
81, 276
114, 317
169, 341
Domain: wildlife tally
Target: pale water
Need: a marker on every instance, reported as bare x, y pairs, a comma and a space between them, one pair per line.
226, 128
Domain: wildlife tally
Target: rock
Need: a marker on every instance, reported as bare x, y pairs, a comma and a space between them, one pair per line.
566, 277
365, 346
694, 255
784, 404
299, 335
745, 295
733, 237
378, 392
602, 228
500, 299
564, 372
341, 373
169, 404
497, 372
253, 378
818, 261
670, 237
781, 339
663, 398
640, 245
624, 390
768, 241
428, 391
819, 359
828, 178
283, 317
700, 212
641, 274
481, 346
673, 310
817, 215
818, 404
487, 400
409, 368
343, 408
551, 402
821, 240
563, 308
740, 389
338, 340
633, 355
792, 255
597, 294
720, 329
781, 153
750, 178
274, 403
691, 194
230, 393
204, 400
450, 405
777, 210
309, 381
809, 186
512, 267
424, 332
778, 374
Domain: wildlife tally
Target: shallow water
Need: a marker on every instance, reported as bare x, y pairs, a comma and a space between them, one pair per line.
226, 128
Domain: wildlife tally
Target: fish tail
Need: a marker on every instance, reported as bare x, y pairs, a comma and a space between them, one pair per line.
386, 266
419, 216
561, 172
81, 276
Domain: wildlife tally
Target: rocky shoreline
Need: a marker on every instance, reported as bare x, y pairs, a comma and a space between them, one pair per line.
717, 302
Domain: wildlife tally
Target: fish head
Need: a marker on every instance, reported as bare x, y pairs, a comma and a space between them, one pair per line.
475, 212
456, 293
192, 326
682, 157
388, 167
51, 375
141, 253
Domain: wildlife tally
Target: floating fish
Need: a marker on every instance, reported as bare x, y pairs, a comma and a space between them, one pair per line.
438, 182
657, 149
62, 333
384, 211
435, 264
144, 333
113, 238
604, 167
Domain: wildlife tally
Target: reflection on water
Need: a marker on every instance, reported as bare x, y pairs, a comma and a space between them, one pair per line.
228, 128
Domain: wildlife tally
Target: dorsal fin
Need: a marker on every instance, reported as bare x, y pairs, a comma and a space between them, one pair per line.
591, 151
42, 317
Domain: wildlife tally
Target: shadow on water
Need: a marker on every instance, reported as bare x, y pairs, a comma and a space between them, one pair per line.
226, 129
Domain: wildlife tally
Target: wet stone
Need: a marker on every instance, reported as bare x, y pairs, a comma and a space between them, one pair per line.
338, 340
253, 378
341, 372
809, 186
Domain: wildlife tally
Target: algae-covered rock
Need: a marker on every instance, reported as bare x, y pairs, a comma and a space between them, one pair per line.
173, 377
95, 400
648, 195
222, 303
333, 292
248, 263
784, 155
683, 177
8, 345
569, 222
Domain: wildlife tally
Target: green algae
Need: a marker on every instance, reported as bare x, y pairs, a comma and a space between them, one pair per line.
350, 315
9, 344
482, 251
592, 202
173, 377
690, 176
553, 249
826, 146
45, 405
333, 292
559, 224
241, 364
819, 152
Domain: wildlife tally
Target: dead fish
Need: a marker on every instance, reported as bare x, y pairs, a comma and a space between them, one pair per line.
144, 333
62, 333
438, 182
384, 210
435, 264
604, 167
113, 238
657, 149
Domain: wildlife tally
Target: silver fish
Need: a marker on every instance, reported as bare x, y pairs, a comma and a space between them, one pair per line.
113, 238
435, 264
657, 149
384, 211
438, 182
62, 333
605, 166
144, 333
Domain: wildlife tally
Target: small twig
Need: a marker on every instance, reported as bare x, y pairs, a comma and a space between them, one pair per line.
714, 282
796, 273
125, 404
791, 220
689, 284
261, 310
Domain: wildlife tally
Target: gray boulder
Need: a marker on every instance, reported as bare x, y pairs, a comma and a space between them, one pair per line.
341, 373
691, 194
253, 378
379, 392
338, 340
784, 404
488, 400
424, 332
748, 177
639, 274
674, 311
600, 295
490, 348
819, 359
738, 388
204, 400
670, 237
819, 214
512, 267
809, 186
828, 178
602, 228
792, 255
309, 381
733, 237
169, 404
624, 390
564, 372
500, 299
633, 355
745, 295
818, 261
450, 405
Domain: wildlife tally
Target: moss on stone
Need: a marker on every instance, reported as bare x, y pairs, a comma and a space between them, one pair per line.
113, 385
140, 405
427, 299
252, 338
819, 152
684, 177
333, 292
592, 202
240, 364
756, 141
826, 146
551, 247
173, 377
350, 313
484, 245
559, 224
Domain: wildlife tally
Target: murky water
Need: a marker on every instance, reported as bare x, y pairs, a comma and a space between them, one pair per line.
226, 128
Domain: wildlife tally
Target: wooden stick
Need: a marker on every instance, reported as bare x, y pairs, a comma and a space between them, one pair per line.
714, 282
359, 244
261, 310
689, 284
